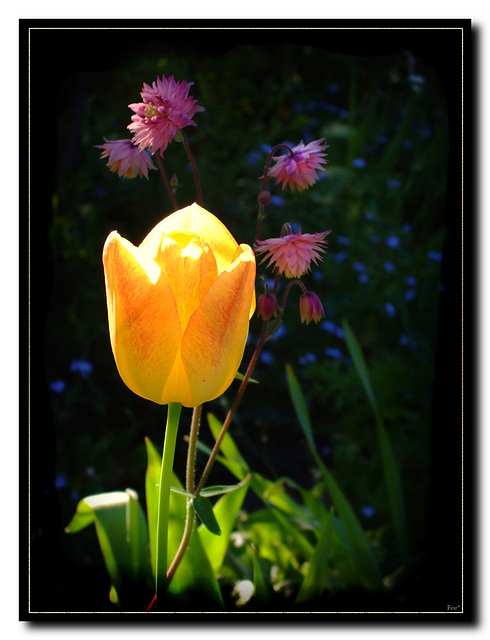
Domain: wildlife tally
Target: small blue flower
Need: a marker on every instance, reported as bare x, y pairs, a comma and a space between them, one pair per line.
277, 201
340, 256
308, 358
343, 240
332, 352
411, 281
406, 228
389, 266
359, 163
435, 255
58, 386
83, 367
390, 309
329, 326
368, 511
59, 482
404, 341
391, 183
359, 267
280, 332
266, 357
410, 294
253, 157
393, 241
363, 277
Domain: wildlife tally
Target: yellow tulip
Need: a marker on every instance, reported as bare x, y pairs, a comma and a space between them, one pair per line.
179, 307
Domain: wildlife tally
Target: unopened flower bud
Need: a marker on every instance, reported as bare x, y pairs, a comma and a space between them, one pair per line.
310, 308
267, 305
264, 198
174, 181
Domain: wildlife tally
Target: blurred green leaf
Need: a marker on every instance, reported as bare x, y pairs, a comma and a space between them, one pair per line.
228, 447
262, 584
317, 575
390, 467
360, 545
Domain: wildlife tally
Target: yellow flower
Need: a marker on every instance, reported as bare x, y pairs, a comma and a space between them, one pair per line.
179, 307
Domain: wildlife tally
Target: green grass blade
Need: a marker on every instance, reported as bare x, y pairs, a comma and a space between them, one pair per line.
316, 577
358, 541
390, 468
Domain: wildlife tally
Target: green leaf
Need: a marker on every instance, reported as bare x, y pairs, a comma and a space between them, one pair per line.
316, 578
123, 538
262, 584
194, 572
205, 512
240, 376
226, 511
360, 545
152, 480
228, 448
390, 468
194, 575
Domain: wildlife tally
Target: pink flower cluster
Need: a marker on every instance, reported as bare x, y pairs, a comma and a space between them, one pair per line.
165, 109
298, 169
292, 254
126, 159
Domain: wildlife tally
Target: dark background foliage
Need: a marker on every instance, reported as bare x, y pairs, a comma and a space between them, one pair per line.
385, 104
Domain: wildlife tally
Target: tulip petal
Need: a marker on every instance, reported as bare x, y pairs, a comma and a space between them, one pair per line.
143, 319
198, 221
214, 341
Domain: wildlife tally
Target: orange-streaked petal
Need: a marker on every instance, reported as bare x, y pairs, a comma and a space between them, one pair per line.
194, 219
143, 319
214, 341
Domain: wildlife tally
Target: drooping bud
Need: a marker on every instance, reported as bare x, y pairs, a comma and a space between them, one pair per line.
310, 308
264, 198
267, 305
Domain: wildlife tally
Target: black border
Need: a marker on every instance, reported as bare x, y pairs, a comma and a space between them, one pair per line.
61, 52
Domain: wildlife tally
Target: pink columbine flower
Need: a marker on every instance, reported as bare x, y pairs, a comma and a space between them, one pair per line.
165, 109
125, 159
310, 308
292, 254
298, 169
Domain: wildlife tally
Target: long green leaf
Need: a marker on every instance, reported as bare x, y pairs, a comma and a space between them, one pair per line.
194, 572
358, 541
390, 468
316, 577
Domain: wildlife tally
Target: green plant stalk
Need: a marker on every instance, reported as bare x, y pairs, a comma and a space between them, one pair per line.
173, 416
190, 479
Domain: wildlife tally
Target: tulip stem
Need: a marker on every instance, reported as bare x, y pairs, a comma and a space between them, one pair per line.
190, 480
192, 160
173, 415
